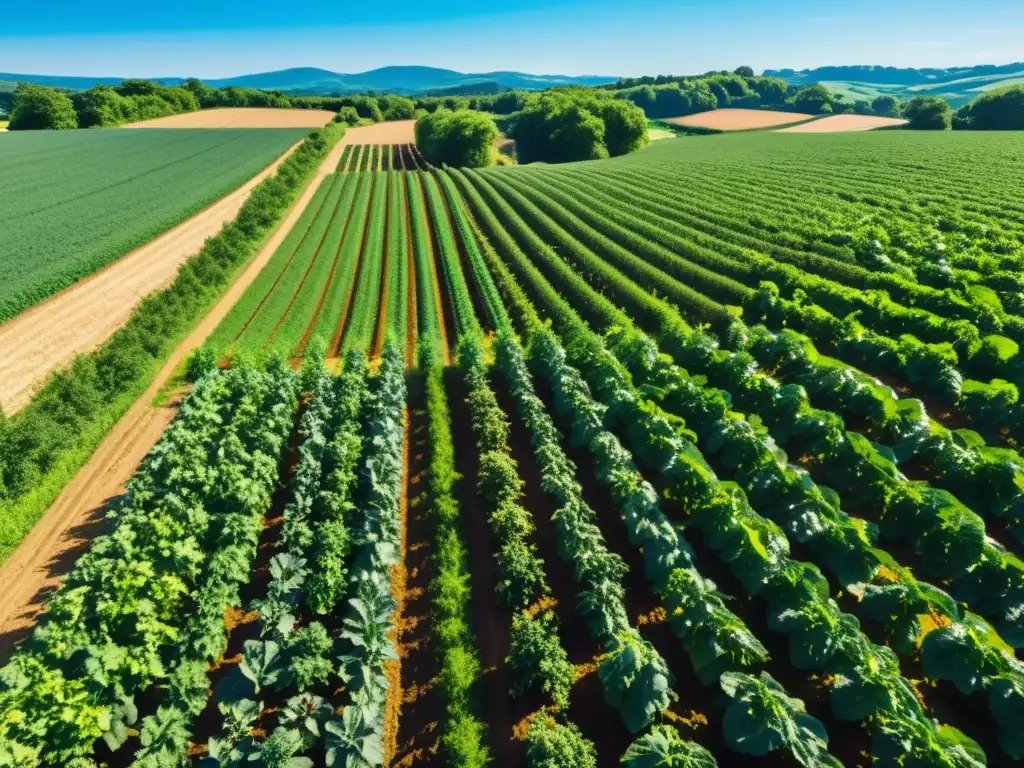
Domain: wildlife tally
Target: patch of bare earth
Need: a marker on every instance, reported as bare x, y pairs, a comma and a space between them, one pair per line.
843, 123
75, 321
49, 551
393, 132
738, 119
242, 117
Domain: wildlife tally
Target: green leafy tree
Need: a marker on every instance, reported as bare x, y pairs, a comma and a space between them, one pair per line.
205, 95
886, 106
744, 71
928, 113
347, 115
396, 107
625, 127
559, 128
102, 105
38, 108
812, 99
998, 110
463, 139
771, 90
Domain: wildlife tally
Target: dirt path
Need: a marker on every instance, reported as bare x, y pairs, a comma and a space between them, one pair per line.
417, 738
50, 549
80, 318
399, 580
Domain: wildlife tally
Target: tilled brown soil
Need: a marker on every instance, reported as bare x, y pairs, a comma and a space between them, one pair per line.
737, 119
242, 117
844, 123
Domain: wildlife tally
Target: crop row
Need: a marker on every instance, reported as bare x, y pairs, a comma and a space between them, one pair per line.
1003, 665
133, 600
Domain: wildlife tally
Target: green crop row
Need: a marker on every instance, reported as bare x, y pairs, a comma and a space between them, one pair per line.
185, 533
365, 302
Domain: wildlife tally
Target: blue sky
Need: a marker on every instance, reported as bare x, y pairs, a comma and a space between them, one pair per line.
211, 38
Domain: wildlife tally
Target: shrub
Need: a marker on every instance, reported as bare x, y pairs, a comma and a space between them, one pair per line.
46, 441
347, 115
38, 108
462, 139
999, 110
886, 106
550, 744
396, 107
928, 113
577, 124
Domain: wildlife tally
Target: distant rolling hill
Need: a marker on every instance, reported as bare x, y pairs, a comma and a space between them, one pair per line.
310, 80
957, 85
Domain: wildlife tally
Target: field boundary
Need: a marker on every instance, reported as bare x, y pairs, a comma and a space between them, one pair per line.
28, 571
67, 312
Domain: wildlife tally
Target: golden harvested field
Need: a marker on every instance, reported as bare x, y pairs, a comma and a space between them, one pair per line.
242, 117
738, 119
844, 123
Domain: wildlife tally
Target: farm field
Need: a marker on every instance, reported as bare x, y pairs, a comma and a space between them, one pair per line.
709, 450
47, 336
737, 119
63, 219
843, 123
242, 117
45, 555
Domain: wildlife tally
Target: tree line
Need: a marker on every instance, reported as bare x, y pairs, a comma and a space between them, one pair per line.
37, 107
672, 96
558, 126
998, 110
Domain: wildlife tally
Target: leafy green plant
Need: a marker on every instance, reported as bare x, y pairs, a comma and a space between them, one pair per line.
762, 718
551, 744
537, 658
662, 747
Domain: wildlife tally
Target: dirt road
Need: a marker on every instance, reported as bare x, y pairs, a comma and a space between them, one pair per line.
50, 550
81, 317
